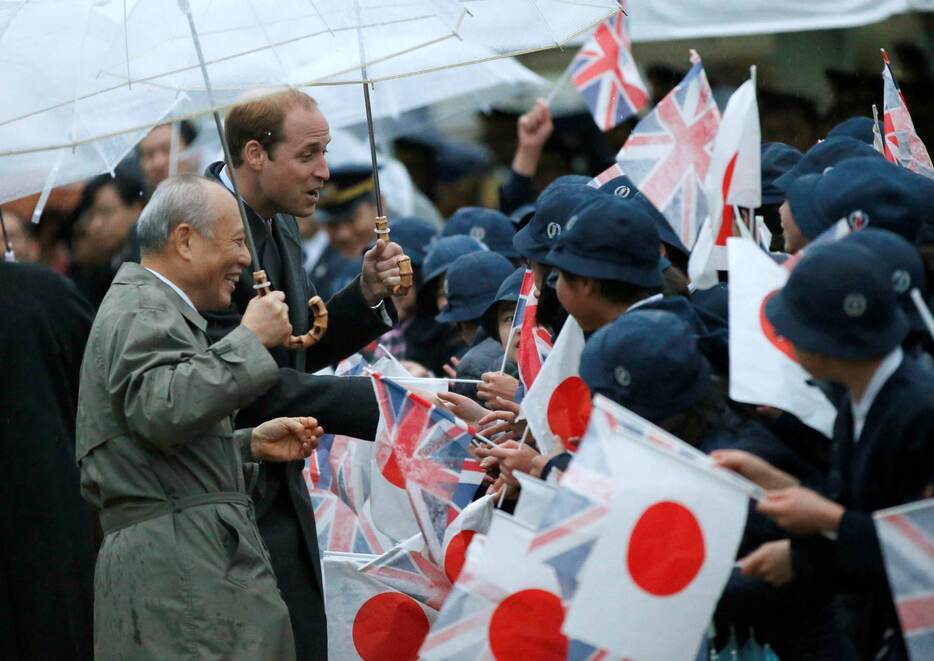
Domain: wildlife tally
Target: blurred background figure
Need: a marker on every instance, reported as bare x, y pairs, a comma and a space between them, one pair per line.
22, 235
155, 152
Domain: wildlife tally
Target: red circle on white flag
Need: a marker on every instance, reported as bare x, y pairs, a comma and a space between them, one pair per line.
569, 411
666, 549
527, 625
390, 627
456, 554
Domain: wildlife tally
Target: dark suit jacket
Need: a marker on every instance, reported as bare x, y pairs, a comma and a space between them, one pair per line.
341, 405
47, 532
892, 463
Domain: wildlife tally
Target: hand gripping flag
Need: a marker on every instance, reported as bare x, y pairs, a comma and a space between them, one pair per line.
906, 535
607, 76
902, 143
763, 366
665, 552
504, 605
667, 155
557, 405
734, 180
534, 341
407, 568
472, 521
367, 620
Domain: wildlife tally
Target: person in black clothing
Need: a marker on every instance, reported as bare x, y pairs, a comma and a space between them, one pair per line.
839, 311
278, 148
47, 533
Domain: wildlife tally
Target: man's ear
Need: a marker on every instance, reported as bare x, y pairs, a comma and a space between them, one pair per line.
181, 238
254, 155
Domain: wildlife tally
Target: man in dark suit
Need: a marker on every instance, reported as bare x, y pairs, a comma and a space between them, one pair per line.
278, 149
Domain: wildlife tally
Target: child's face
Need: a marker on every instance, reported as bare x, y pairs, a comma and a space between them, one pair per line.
578, 296
468, 330
505, 312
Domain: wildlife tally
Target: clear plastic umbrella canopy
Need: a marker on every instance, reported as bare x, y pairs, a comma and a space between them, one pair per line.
85, 79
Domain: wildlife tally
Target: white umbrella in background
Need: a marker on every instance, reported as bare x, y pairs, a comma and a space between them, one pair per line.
84, 80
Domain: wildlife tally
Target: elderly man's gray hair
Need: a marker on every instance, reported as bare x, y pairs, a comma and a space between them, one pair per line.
180, 199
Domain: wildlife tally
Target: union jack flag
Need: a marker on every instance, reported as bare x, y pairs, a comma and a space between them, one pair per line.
339, 529
577, 514
906, 535
339, 464
668, 154
606, 176
902, 143
471, 478
407, 568
534, 341
607, 76
428, 447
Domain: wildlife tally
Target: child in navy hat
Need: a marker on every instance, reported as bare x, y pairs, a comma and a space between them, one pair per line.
491, 227
470, 286
776, 159
649, 362
879, 190
840, 314
430, 343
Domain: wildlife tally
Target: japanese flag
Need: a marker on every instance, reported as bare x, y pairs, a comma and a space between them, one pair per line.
368, 620
663, 557
763, 365
557, 405
734, 178
472, 520
504, 605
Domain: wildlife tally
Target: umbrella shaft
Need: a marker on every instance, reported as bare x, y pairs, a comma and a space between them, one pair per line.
251, 245
369, 128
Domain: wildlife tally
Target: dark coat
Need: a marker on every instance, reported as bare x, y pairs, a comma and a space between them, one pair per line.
892, 463
341, 405
48, 547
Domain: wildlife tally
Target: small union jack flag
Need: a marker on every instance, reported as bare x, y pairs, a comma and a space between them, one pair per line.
607, 76
407, 568
606, 176
902, 143
339, 529
906, 535
534, 341
668, 154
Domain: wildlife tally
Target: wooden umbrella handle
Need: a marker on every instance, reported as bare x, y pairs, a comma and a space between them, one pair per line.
406, 277
316, 306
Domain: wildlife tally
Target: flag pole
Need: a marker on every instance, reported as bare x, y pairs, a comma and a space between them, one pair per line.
923, 310
561, 82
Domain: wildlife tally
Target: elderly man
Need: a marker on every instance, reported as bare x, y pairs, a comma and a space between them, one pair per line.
182, 571
278, 147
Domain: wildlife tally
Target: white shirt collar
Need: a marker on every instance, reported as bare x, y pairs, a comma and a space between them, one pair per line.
224, 177
861, 408
644, 301
171, 284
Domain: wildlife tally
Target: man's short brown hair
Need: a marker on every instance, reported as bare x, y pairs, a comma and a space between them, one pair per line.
261, 120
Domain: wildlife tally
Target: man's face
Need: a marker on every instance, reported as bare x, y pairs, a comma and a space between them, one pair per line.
217, 261
794, 240
351, 234
108, 220
155, 153
292, 175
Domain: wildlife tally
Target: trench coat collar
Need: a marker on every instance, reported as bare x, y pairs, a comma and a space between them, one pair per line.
132, 273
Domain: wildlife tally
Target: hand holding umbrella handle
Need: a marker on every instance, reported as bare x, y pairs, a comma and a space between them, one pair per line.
406, 276
318, 311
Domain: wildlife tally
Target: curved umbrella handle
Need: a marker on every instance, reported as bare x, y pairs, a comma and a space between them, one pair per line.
406, 277
315, 305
